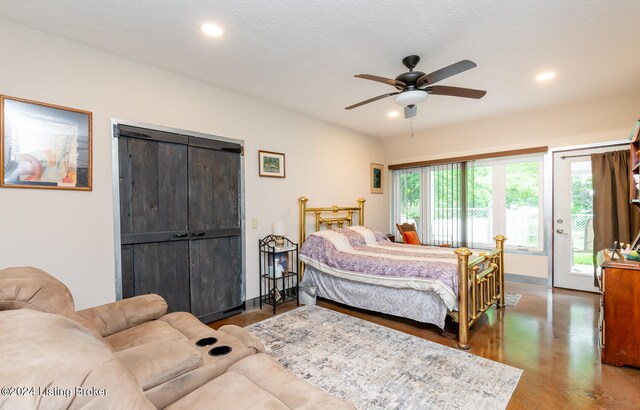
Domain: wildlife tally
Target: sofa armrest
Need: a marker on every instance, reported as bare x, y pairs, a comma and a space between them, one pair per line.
157, 362
245, 337
117, 316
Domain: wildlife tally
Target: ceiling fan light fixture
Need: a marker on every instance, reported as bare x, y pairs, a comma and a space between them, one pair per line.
411, 97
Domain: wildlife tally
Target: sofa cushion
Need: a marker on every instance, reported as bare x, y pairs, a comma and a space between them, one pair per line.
153, 331
187, 324
212, 367
259, 382
294, 392
192, 328
32, 288
157, 362
229, 391
117, 316
55, 356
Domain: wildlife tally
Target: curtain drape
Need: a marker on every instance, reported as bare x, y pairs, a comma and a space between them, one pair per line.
614, 218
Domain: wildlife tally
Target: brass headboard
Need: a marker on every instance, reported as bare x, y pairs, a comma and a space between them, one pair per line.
329, 221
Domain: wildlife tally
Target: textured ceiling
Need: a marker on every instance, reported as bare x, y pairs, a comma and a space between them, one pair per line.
302, 55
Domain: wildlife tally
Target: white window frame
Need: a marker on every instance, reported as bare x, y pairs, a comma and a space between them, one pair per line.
499, 199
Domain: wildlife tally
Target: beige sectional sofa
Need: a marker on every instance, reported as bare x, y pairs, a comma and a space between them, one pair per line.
133, 351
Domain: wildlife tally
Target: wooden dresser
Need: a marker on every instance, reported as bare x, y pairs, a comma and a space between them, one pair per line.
619, 323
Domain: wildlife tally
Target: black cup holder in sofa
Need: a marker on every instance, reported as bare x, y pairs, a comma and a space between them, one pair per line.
220, 351
207, 341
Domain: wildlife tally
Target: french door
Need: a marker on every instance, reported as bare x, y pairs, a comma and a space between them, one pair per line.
573, 218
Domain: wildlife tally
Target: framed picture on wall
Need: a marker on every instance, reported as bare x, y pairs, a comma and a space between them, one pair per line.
271, 164
44, 146
376, 178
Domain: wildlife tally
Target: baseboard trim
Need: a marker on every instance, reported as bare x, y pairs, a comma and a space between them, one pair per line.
527, 280
253, 304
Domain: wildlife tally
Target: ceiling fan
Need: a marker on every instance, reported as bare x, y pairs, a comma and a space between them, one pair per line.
414, 86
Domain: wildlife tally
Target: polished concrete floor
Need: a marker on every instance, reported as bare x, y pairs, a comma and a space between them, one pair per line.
551, 334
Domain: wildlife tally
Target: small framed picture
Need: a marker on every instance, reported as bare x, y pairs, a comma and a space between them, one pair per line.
376, 178
44, 146
271, 164
281, 264
275, 293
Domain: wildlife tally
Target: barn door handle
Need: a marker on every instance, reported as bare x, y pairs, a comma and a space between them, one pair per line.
180, 235
197, 234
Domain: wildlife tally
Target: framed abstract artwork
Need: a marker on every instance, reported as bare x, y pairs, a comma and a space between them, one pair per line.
376, 178
271, 164
44, 146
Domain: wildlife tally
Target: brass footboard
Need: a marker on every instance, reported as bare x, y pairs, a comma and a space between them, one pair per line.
478, 290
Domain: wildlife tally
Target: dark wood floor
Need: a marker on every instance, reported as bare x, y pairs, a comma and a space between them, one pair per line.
551, 334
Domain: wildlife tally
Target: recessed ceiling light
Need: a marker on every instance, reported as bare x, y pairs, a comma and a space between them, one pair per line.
211, 29
393, 114
546, 76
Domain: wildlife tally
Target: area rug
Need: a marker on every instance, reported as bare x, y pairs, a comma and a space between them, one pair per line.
375, 367
511, 299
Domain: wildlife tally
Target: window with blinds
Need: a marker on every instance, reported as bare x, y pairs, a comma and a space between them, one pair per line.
467, 203
433, 199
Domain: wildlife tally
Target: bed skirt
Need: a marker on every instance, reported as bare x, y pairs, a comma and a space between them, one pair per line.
422, 306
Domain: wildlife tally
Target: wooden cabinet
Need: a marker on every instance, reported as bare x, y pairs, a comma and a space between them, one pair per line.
180, 221
619, 325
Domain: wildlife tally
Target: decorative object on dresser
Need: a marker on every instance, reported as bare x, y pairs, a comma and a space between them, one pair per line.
271, 164
456, 284
377, 171
387, 369
44, 146
278, 271
180, 220
619, 283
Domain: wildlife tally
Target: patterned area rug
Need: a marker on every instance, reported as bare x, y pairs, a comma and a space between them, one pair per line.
511, 299
375, 367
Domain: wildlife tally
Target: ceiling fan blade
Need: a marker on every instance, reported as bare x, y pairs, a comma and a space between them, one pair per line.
455, 91
389, 81
370, 100
380, 97
446, 72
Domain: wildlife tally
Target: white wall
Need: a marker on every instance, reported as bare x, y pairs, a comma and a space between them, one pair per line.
607, 119
70, 234
601, 120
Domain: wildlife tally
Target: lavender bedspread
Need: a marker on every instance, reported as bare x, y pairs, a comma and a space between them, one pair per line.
345, 251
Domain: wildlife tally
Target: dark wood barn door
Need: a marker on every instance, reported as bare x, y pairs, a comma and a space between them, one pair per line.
180, 221
214, 214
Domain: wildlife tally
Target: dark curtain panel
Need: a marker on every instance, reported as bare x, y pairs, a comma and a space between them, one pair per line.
614, 218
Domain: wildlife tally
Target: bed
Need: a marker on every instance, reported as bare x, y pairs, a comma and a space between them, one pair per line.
359, 267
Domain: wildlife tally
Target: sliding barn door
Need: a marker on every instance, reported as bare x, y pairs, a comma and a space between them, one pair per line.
180, 221
154, 222
216, 242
